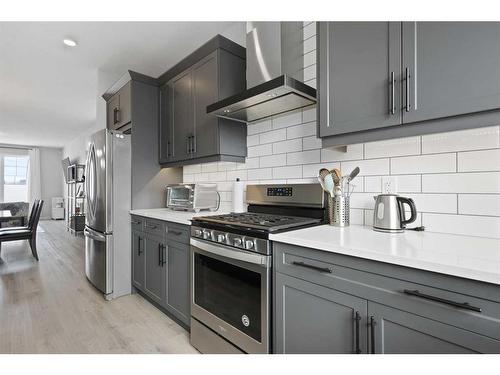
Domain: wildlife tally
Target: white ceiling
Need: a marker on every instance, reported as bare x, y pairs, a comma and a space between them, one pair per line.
48, 90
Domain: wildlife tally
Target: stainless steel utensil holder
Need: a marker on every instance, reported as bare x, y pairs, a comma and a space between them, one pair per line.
339, 210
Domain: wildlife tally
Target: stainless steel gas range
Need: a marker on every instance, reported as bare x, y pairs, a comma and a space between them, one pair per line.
231, 258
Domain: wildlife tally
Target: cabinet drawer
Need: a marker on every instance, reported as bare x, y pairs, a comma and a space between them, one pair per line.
155, 227
427, 295
137, 223
178, 232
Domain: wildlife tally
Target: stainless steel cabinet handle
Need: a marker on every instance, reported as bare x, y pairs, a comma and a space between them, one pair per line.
357, 318
392, 85
150, 226
163, 255
310, 266
176, 232
372, 334
188, 147
168, 148
193, 144
459, 305
116, 115
135, 222
160, 253
407, 79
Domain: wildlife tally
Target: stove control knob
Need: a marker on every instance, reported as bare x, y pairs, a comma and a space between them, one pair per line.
198, 233
206, 234
238, 242
221, 238
249, 244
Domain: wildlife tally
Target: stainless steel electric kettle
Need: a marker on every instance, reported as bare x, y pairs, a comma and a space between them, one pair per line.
389, 214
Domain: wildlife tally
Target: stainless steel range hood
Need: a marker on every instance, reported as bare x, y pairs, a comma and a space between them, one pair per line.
274, 74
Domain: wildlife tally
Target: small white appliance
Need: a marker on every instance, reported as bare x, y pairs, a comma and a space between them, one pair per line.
57, 208
192, 197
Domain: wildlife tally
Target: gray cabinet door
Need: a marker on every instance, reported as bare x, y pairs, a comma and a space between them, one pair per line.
183, 117
205, 92
138, 260
359, 76
155, 272
165, 129
399, 332
125, 114
453, 68
178, 280
313, 319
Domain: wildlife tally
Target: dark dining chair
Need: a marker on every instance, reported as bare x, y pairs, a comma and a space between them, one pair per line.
28, 233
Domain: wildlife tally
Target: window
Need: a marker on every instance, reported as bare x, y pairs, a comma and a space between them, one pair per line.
13, 176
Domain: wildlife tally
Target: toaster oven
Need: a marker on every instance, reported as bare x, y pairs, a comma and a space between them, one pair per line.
192, 197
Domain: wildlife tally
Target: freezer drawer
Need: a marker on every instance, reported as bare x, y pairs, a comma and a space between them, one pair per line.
96, 259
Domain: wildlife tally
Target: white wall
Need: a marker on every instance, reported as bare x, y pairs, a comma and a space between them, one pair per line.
453, 177
50, 177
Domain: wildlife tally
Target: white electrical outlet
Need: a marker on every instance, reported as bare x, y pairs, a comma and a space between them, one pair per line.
389, 185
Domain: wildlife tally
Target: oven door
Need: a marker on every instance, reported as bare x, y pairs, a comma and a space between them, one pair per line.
230, 293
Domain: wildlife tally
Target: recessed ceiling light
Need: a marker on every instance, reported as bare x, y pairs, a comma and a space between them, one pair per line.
69, 42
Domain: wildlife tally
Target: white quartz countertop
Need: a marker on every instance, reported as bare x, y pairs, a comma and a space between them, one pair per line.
165, 214
469, 257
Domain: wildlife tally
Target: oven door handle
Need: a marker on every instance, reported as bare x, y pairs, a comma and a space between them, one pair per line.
232, 253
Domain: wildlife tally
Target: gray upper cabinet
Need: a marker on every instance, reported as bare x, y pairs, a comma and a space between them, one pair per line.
204, 93
394, 331
119, 108
166, 132
311, 319
187, 133
360, 64
453, 68
382, 80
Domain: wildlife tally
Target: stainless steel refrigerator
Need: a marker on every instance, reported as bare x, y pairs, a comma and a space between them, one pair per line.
107, 223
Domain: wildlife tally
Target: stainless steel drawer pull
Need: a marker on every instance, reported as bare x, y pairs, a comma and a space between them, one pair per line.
357, 318
151, 226
392, 101
310, 266
135, 222
407, 79
460, 305
176, 232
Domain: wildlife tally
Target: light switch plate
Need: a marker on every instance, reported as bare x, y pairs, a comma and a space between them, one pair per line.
389, 185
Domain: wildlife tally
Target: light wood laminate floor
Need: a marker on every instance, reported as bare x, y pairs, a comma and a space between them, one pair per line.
50, 307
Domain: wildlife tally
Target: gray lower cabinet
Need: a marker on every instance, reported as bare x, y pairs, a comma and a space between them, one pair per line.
177, 298
138, 258
381, 80
393, 331
160, 265
401, 310
313, 319
154, 284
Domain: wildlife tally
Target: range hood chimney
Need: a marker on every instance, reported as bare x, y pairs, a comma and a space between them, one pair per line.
274, 57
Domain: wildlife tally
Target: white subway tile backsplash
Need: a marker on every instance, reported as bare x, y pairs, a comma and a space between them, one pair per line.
287, 119
312, 170
259, 127
481, 226
441, 203
288, 172
439, 163
354, 152
310, 72
472, 139
291, 145
453, 177
303, 157
475, 161
393, 147
260, 150
260, 174
366, 167
311, 143
481, 182
273, 161
479, 204
302, 130
272, 136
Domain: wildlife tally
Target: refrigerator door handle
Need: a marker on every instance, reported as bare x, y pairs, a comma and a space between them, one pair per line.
94, 235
